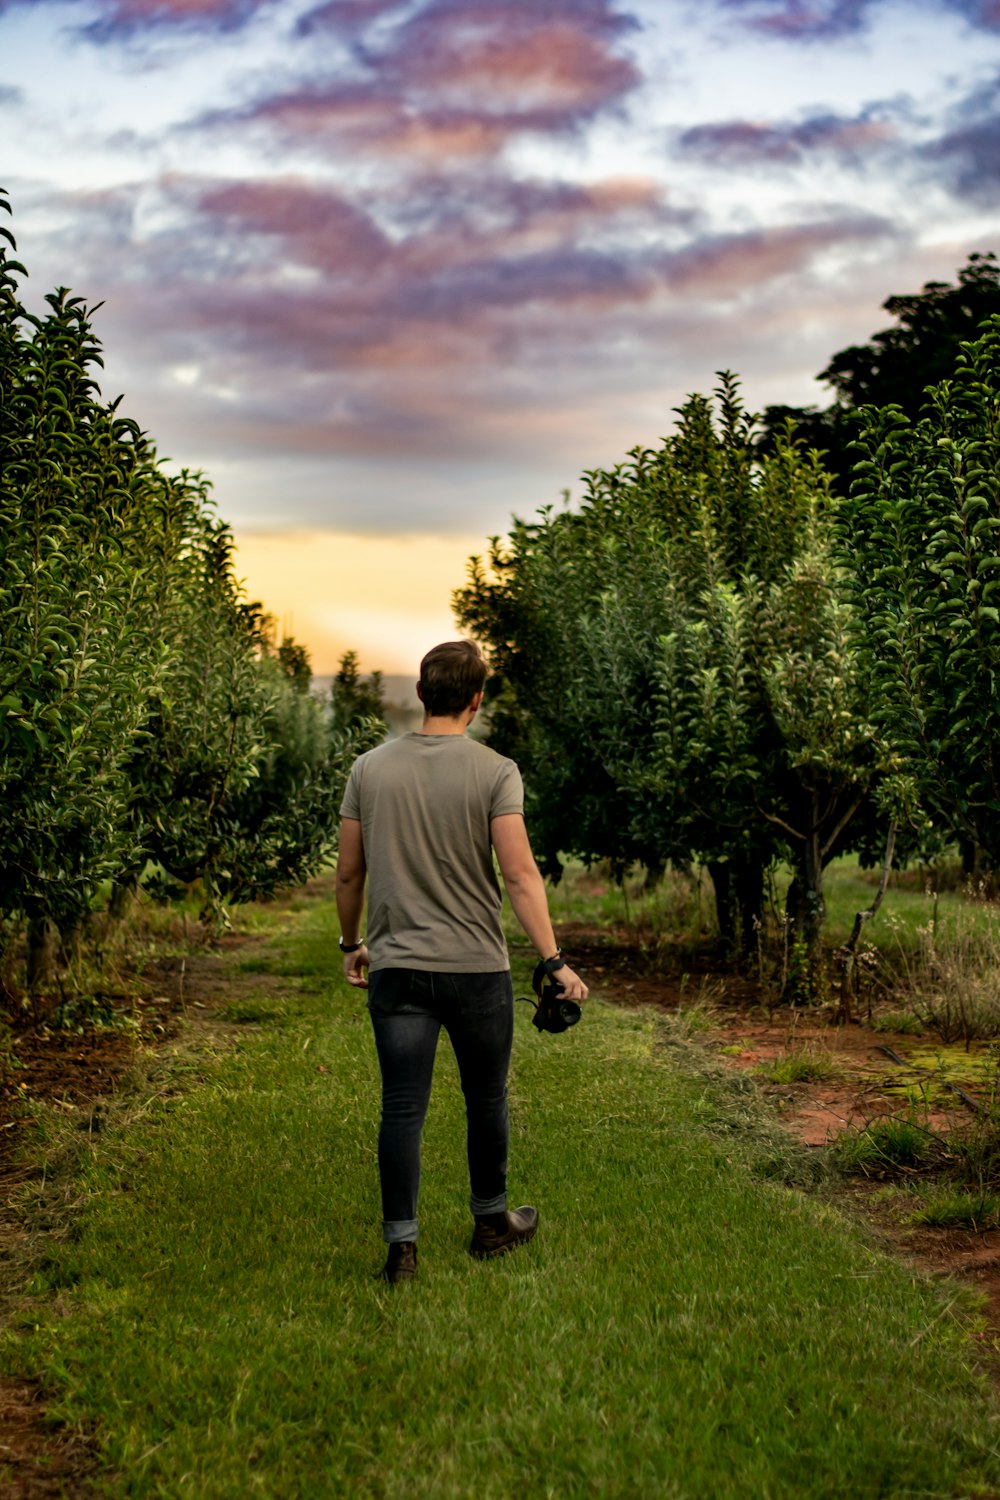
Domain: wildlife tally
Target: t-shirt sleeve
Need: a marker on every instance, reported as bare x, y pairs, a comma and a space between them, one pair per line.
350, 806
508, 791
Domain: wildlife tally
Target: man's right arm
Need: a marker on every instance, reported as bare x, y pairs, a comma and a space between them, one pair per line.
352, 870
526, 889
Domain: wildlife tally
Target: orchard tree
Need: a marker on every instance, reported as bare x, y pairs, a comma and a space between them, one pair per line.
145, 712
897, 365
353, 699
920, 544
672, 667
74, 673
237, 776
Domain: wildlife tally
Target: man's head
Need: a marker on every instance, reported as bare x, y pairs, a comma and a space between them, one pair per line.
451, 676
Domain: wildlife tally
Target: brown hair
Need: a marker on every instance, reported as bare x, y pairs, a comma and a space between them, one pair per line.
450, 677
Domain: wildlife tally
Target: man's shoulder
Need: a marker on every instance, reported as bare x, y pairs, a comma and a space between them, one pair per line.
489, 755
411, 749
379, 756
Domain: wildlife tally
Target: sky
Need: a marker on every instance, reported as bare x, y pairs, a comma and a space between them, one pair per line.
391, 271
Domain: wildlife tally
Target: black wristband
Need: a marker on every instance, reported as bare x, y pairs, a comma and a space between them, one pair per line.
351, 947
555, 963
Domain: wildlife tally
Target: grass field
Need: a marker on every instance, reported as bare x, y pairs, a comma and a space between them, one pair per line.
682, 1326
677, 907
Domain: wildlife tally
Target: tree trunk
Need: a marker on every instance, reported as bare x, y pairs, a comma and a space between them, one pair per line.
849, 977
41, 954
805, 911
739, 902
121, 893
10, 998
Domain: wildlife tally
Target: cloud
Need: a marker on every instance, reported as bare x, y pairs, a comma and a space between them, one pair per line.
824, 20
454, 79
740, 143
304, 323
345, 18
802, 20
10, 95
732, 265
129, 17
110, 19
440, 291
982, 13
967, 155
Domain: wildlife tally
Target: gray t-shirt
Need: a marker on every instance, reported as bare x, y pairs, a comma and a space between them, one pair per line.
425, 802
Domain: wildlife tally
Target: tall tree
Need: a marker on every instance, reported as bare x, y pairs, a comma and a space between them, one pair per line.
74, 672
672, 668
897, 365
921, 535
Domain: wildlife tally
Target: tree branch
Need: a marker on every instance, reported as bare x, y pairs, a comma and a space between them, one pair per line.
773, 818
835, 835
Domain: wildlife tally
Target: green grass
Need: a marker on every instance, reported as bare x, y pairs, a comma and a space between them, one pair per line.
903, 1022
951, 1209
679, 912
681, 1326
892, 1141
804, 1065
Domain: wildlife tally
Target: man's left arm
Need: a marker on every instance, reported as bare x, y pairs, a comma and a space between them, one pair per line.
351, 874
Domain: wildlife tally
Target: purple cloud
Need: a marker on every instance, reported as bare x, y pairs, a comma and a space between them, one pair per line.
969, 161
285, 318
733, 264
982, 13
127, 17
454, 79
820, 20
738, 143
805, 20
344, 18
541, 271
967, 156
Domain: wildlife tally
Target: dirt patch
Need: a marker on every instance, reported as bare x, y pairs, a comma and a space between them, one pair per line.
36, 1462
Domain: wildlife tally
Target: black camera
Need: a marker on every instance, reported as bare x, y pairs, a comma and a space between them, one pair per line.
553, 1012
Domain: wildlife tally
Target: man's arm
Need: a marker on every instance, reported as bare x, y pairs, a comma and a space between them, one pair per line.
526, 889
351, 873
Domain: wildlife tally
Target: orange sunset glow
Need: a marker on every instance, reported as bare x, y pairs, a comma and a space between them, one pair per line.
387, 598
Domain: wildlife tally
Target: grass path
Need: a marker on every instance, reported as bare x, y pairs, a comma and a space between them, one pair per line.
679, 1328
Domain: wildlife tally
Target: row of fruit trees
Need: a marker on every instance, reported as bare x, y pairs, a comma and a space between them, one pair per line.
725, 656
150, 725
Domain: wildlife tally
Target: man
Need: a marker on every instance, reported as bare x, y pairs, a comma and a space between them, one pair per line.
421, 819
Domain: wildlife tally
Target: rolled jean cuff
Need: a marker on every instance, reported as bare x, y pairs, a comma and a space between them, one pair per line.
395, 1230
482, 1206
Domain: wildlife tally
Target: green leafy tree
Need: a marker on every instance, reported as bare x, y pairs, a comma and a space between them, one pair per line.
673, 670
920, 541
353, 699
74, 674
145, 712
897, 365
236, 779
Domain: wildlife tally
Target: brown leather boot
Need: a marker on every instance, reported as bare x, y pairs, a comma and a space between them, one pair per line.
495, 1234
401, 1263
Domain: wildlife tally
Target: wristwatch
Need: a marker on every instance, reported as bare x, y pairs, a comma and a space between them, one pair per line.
350, 947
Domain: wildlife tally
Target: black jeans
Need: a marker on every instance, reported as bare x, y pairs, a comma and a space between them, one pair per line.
408, 1007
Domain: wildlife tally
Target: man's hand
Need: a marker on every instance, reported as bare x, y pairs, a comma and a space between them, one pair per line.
573, 986
356, 967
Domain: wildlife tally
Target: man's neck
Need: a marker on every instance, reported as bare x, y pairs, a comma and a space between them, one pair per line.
445, 724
